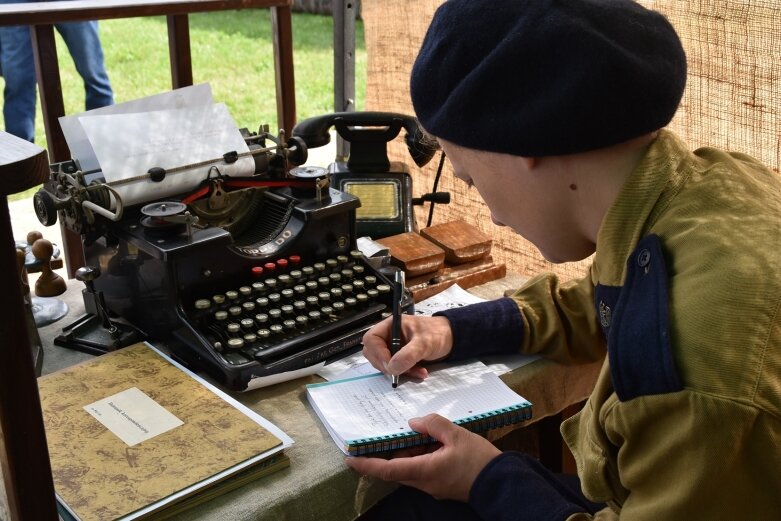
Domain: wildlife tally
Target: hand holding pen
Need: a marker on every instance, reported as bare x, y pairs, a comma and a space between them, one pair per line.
395, 343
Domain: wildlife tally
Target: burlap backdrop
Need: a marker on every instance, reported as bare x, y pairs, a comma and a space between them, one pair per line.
731, 100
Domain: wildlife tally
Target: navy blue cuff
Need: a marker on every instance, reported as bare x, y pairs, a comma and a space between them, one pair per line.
493, 327
514, 483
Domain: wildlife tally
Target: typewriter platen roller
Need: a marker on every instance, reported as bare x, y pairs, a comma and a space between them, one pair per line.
242, 277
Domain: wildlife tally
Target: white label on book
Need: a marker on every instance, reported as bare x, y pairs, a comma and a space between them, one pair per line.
133, 416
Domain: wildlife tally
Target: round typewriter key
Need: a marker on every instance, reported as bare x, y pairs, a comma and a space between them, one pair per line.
282, 264
323, 281
263, 333
285, 280
289, 324
248, 307
370, 279
308, 271
245, 291
336, 292
362, 298
247, 323
319, 266
270, 283
218, 299
312, 300
356, 254
315, 315
287, 293
373, 293
258, 287
261, 318
274, 314
274, 297
331, 263
336, 278
299, 289
235, 343
347, 288
232, 295
383, 288
347, 273
287, 309
311, 285
275, 329
295, 260
299, 305
269, 267
358, 284
338, 306
221, 315
217, 346
301, 320
233, 327
202, 304
296, 274
262, 301
342, 259
358, 269
234, 311
250, 338
257, 271
350, 302
324, 296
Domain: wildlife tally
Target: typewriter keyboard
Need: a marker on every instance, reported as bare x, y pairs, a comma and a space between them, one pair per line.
288, 304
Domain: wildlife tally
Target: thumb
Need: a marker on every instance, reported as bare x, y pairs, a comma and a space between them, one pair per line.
436, 426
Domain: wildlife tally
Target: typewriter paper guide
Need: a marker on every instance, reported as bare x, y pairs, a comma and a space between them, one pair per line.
128, 145
78, 143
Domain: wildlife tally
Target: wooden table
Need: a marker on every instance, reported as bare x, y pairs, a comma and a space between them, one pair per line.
318, 485
42, 16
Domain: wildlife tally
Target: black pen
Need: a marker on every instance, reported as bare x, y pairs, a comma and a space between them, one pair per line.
395, 345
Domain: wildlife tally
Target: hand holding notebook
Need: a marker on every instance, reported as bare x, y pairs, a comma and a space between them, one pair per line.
365, 415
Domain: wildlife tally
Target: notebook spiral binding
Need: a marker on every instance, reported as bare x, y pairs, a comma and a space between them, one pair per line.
478, 423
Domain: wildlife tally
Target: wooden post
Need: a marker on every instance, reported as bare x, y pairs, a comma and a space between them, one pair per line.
24, 454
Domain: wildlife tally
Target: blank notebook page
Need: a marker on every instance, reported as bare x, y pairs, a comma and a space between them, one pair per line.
369, 406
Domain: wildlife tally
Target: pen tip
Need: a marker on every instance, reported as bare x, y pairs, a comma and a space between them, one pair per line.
394, 384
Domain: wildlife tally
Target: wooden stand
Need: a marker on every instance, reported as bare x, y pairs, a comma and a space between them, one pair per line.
24, 454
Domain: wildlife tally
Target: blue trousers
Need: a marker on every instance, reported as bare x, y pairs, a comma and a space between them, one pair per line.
17, 64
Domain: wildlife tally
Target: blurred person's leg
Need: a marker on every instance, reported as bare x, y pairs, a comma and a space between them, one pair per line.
84, 46
19, 94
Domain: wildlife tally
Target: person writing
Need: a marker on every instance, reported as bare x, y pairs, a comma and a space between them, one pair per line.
18, 66
555, 112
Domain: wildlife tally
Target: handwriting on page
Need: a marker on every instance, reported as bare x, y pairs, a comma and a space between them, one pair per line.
369, 406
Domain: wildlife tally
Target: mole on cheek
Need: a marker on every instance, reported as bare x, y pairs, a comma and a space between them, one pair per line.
573, 186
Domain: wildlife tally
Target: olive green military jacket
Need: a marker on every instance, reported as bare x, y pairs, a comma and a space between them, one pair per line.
685, 290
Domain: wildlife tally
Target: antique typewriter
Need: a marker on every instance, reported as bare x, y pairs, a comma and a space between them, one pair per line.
242, 277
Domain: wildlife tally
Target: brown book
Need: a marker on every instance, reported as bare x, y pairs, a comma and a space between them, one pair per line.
132, 433
413, 253
461, 241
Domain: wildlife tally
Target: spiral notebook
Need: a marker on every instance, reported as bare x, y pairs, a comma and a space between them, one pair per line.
366, 415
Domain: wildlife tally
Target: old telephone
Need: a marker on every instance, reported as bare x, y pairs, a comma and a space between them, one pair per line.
383, 187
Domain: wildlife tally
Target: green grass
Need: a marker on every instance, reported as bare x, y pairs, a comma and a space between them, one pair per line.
231, 50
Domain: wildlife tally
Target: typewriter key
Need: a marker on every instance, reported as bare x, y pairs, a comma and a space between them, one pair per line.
258, 287
296, 274
248, 307
347, 273
331, 264
263, 333
350, 302
247, 323
274, 314
300, 289
285, 280
299, 305
261, 318
275, 329
336, 292
338, 307
323, 281
301, 320
311, 285
373, 293
274, 298
342, 259
335, 277
362, 298
358, 269
319, 267
324, 296
287, 294
202, 304
287, 309
245, 291
250, 338
289, 324
312, 300
383, 288
315, 315
358, 284
218, 299
347, 288
233, 328
219, 316
234, 311
232, 295
261, 302
235, 343
308, 271
370, 279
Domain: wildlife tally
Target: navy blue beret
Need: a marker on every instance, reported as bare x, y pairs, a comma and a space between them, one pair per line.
546, 77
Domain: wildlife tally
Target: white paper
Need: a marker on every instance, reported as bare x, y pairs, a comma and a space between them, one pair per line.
369, 406
453, 297
128, 145
133, 416
264, 381
79, 145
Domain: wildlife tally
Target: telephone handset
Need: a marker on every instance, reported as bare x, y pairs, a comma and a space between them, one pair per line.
384, 188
